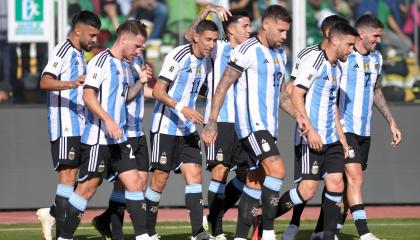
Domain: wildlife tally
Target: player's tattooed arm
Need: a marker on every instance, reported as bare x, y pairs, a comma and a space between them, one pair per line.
160, 93
382, 106
287, 105
134, 90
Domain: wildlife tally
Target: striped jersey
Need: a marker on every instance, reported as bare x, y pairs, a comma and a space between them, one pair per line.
186, 74
321, 80
219, 59
357, 88
257, 90
65, 107
107, 75
302, 55
135, 108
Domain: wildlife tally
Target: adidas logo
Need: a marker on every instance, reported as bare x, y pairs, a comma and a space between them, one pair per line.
326, 78
189, 70
266, 61
356, 65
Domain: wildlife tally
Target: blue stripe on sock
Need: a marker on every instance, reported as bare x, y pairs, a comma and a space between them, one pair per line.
273, 183
358, 215
294, 196
134, 196
217, 187
336, 199
238, 184
117, 196
193, 188
64, 190
78, 202
254, 193
153, 195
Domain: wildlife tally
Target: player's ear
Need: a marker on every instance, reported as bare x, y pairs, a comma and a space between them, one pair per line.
195, 37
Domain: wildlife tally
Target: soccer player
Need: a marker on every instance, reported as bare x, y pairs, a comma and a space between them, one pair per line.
259, 63
293, 228
114, 214
225, 154
174, 139
321, 153
105, 152
359, 90
63, 78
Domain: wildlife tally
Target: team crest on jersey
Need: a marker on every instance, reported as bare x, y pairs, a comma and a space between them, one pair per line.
315, 168
265, 146
219, 155
276, 60
366, 66
171, 69
163, 159
72, 154
95, 75
310, 77
334, 79
55, 64
101, 167
198, 71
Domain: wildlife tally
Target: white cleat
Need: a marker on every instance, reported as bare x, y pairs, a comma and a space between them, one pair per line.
202, 236
335, 237
47, 222
290, 233
155, 237
317, 236
220, 237
205, 224
143, 237
369, 236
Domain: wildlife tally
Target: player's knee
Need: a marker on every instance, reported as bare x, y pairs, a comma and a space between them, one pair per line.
273, 166
219, 173
307, 189
192, 174
355, 179
241, 174
335, 183
159, 180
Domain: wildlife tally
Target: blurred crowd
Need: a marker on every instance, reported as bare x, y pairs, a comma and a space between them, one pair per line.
167, 21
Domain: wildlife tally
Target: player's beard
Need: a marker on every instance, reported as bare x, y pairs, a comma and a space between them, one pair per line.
88, 46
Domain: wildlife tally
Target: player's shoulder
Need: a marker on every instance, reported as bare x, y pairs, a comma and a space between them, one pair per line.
180, 52
309, 50
315, 59
248, 45
99, 59
63, 48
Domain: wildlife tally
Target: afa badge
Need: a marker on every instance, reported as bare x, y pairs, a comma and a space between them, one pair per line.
72, 154
163, 159
101, 167
265, 146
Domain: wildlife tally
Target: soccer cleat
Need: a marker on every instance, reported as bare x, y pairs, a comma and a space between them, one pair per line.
47, 222
220, 237
369, 236
155, 237
143, 237
205, 224
290, 233
335, 237
317, 236
103, 229
202, 236
257, 228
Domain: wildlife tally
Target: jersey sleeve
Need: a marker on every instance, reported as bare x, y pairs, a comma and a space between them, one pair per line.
55, 62
170, 68
308, 69
94, 76
240, 60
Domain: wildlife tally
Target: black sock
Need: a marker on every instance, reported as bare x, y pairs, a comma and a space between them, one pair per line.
134, 202
116, 218
52, 210
289, 200
341, 222
194, 203
247, 211
332, 207
359, 215
270, 197
297, 213
60, 212
233, 193
74, 213
152, 203
216, 203
320, 223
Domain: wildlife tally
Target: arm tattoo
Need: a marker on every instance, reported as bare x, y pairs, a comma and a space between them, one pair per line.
161, 94
228, 78
381, 104
134, 90
286, 104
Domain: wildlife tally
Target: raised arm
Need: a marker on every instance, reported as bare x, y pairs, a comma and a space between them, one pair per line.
134, 90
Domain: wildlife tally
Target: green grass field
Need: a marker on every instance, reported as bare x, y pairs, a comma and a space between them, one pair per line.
404, 229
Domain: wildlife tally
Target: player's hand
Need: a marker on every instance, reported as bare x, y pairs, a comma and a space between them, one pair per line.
303, 124
192, 115
146, 74
209, 133
114, 131
222, 12
314, 140
345, 147
396, 135
80, 80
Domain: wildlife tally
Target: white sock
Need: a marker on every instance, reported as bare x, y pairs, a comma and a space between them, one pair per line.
239, 239
268, 234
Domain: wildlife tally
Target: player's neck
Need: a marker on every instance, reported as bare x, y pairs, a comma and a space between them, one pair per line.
360, 48
116, 52
75, 42
263, 39
331, 55
196, 51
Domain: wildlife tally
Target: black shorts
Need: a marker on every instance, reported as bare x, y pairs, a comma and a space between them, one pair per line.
169, 152
227, 149
139, 146
65, 151
360, 146
106, 161
313, 165
259, 145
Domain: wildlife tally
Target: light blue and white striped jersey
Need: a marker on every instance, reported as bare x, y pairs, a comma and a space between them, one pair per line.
65, 108
107, 75
357, 88
257, 90
302, 55
186, 74
135, 108
219, 59
322, 81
